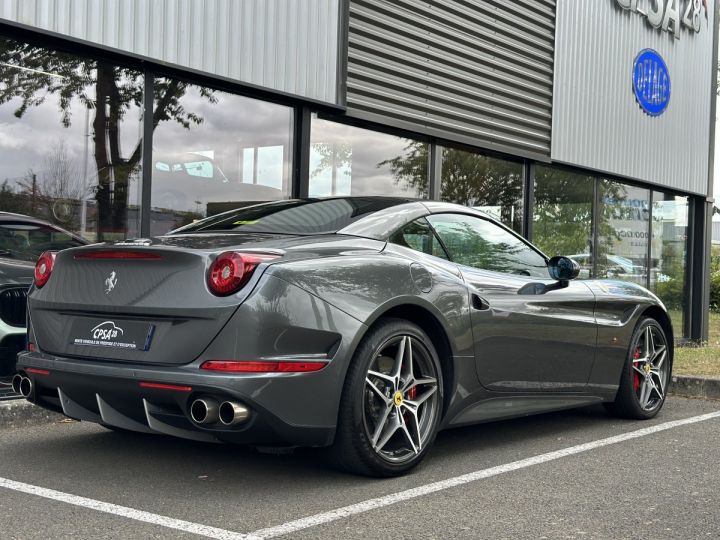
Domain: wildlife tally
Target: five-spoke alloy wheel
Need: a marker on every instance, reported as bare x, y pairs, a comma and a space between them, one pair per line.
400, 399
392, 401
650, 368
646, 375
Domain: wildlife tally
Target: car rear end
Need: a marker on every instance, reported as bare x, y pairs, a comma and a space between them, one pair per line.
173, 337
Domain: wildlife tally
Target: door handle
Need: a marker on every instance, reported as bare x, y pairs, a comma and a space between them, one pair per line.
479, 303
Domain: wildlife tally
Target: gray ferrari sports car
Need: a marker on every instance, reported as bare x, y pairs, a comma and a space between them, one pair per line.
361, 323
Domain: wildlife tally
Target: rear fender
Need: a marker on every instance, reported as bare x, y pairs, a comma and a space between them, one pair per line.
618, 309
366, 286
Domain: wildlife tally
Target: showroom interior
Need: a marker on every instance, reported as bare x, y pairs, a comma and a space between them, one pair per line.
132, 119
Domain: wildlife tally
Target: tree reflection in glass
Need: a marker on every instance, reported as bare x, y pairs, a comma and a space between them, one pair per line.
76, 173
492, 185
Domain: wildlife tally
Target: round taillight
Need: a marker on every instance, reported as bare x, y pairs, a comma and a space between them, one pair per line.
226, 273
43, 268
231, 270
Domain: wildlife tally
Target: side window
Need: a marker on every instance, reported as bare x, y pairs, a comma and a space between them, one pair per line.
482, 244
419, 236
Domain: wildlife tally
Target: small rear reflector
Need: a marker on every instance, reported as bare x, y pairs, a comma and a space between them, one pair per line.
162, 386
119, 254
31, 347
238, 366
36, 371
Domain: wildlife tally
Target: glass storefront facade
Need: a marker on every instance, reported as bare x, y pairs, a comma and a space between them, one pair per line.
623, 232
70, 140
214, 151
562, 215
492, 185
347, 161
669, 253
71, 148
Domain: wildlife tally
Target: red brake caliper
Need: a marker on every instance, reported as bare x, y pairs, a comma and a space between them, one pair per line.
412, 393
636, 375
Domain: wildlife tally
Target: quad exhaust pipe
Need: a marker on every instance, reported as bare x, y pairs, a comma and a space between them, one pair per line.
22, 385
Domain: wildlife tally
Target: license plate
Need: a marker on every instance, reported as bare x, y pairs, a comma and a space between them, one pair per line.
128, 335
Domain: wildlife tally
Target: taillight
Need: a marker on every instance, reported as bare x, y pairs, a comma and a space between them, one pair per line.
43, 268
251, 366
231, 270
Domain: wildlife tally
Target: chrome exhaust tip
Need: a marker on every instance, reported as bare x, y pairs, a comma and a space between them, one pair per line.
204, 411
25, 387
16, 383
17, 378
233, 413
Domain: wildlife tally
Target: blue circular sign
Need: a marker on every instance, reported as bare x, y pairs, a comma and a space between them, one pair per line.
651, 82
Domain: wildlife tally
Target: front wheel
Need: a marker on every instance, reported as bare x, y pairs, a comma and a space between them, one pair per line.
391, 403
646, 373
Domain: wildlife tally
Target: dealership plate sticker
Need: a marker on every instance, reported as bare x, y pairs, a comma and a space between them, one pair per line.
128, 335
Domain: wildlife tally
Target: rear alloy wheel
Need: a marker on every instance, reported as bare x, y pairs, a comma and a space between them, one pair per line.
646, 373
392, 401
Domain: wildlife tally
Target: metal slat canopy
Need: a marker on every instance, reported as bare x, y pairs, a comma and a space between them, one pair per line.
474, 71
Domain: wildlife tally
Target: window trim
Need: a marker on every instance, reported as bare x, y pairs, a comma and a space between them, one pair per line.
434, 234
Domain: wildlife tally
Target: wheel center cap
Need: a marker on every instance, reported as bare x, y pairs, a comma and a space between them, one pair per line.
398, 398
647, 368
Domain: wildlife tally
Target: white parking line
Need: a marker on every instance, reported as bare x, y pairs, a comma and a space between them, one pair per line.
346, 511
372, 504
124, 511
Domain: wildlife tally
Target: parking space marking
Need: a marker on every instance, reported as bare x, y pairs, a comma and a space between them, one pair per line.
124, 511
387, 500
346, 511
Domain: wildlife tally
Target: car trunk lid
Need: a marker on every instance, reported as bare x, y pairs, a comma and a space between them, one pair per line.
132, 302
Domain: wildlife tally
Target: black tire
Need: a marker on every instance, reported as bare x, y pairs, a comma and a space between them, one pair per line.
353, 449
627, 402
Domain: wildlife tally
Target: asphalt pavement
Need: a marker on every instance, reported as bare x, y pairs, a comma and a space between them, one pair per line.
575, 474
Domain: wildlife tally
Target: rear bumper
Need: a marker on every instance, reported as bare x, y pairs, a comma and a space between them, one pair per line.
110, 394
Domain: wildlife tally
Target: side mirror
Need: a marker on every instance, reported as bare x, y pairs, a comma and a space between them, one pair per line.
563, 269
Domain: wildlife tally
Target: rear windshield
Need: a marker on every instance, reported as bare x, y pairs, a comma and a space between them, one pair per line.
307, 216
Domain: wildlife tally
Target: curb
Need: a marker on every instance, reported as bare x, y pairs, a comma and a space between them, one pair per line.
700, 387
21, 413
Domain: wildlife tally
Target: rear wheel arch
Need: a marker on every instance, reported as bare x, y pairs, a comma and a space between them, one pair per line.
353, 448
431, 325
663, 319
